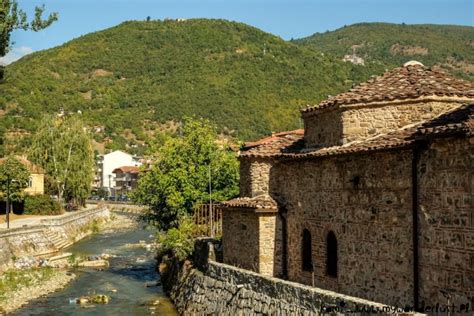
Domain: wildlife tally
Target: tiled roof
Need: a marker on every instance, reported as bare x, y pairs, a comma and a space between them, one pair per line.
408, 82
272, 143
127, 169
32, 168
459, 121
261, 202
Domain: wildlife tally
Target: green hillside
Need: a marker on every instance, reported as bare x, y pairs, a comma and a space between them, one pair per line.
449, 46
129, 80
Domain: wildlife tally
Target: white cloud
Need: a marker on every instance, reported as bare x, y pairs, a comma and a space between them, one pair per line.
15, 54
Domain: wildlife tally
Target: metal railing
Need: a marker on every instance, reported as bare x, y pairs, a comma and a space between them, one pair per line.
208, 218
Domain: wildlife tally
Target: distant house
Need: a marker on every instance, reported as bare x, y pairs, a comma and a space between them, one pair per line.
126, 178
356, 60
111, 161
36, 181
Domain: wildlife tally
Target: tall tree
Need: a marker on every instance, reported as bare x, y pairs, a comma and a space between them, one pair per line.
12, 18
14, 178
186, 168
63, 147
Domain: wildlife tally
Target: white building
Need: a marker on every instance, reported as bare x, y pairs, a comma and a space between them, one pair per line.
114, 160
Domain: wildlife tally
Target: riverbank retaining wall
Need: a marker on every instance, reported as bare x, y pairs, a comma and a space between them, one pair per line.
48, 236
217, 288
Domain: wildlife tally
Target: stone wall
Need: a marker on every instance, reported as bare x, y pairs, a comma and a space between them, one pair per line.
323, 130
240, 239
364, 122
360, 121
446, 171
227, 290
253, 241
254, 176
366, 201
35, 240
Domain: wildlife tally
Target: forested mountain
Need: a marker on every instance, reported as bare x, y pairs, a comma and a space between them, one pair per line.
134, 81
129, 80
449, 46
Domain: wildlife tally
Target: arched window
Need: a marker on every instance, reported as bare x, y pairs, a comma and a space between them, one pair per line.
331, 255
306, 256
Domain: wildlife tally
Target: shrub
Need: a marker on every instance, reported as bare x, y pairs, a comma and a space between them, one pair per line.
42, 205
179, 241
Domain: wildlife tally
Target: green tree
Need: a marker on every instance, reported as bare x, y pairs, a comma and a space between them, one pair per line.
63, 147
14, 178
12, 18
179, 179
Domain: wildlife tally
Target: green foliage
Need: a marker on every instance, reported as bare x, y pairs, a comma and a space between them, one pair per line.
178, 241
179, 179
41, 205
15, 175
165, 70
390, 45
62, 146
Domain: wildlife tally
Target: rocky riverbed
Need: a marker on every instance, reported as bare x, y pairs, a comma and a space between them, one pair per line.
32, 278
129, 280
36, 287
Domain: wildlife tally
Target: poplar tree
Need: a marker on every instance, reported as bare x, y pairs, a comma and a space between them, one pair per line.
63, 147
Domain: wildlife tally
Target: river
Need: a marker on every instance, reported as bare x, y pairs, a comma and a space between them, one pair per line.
124, 281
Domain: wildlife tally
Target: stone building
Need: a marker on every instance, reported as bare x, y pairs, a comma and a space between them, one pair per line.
374, 199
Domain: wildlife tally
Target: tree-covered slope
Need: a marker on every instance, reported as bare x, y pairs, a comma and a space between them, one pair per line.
125, 79
448, 46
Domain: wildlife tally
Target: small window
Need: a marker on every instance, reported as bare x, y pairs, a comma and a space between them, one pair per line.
331, 255
30, 182
307, 259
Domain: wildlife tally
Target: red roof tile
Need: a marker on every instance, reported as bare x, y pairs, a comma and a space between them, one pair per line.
408, 82
262, 203
127, 169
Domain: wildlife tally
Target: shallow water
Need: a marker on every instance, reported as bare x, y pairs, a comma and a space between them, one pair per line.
127, 274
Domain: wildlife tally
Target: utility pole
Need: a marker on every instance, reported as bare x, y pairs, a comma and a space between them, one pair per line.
210, 203
8, 201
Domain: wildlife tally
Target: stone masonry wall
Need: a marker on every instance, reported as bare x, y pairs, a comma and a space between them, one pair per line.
366, 201
323, 130
240, 239
446, 171
33, 241
252, 241
361, 123
227, 290
254, 177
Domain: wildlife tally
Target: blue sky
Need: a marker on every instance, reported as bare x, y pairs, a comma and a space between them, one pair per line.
285, 18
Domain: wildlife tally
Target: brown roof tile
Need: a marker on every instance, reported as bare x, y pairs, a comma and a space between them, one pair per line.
127, 169
262, 203
408, 82
32, 168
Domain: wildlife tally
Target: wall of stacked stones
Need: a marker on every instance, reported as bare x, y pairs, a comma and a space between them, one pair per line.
323, 129
224, 289
240, 240
368, 121
33, 240
446, 172
254, 175
366, 201
253, 241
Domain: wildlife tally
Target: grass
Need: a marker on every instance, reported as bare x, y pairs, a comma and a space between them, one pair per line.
13, 280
